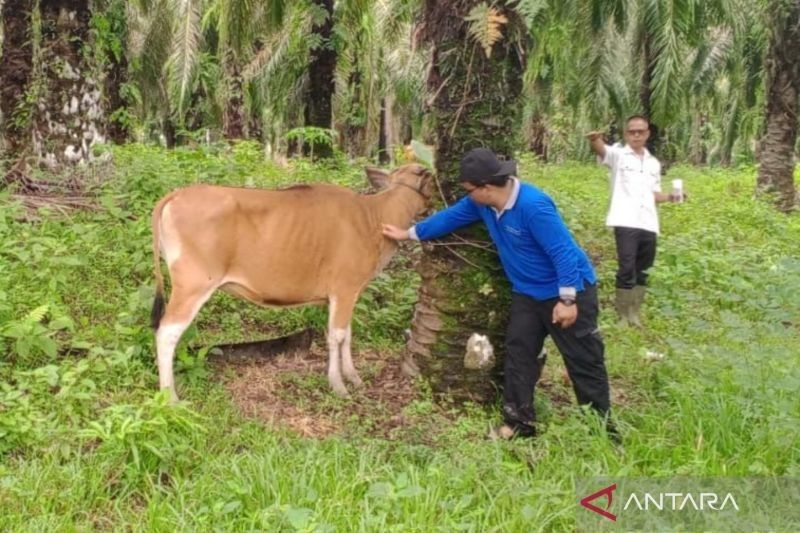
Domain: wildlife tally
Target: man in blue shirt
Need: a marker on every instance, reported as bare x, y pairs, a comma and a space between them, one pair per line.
553, 284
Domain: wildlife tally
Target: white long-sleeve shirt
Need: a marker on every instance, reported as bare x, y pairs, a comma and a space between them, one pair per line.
633, 181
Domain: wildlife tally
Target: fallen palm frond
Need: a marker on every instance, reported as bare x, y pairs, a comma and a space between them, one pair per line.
74, 191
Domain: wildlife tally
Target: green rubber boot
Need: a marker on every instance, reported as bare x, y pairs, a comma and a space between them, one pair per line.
624, 302
635, 309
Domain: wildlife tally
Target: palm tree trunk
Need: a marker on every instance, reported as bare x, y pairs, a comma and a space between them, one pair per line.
16, 65
355, 136
537, 136
170, 132
697, 148
383, 135
730, 135
52, 90
255, 127
72, 114
233, 119
463, 289
118, 129
776, 172
117, 74
321, 78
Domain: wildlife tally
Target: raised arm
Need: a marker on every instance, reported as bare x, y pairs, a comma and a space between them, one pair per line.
597, 143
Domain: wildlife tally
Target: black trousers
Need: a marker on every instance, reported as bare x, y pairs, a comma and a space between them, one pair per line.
636, 251
581, 346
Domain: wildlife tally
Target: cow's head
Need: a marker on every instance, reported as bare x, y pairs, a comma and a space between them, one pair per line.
412, 176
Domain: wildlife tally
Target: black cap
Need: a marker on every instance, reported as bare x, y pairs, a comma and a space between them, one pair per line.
481, 166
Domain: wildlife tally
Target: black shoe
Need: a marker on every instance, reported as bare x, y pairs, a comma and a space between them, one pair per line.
508, 432
613, 433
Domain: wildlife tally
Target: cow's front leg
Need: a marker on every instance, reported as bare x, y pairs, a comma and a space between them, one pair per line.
335, 340
337, 332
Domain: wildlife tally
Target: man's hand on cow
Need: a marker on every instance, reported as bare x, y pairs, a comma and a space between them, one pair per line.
393, 232
565, 315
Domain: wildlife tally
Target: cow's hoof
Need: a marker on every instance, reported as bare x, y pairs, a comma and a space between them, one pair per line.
409, 367
172, 396
356, 381
340, 390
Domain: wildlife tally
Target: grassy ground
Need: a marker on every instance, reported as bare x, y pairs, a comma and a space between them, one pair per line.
86, 443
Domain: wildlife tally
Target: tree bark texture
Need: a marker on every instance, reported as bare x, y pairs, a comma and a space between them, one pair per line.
383, 135
16, 67
536, 134
116, 71
52, 83
776, 171
474, 102
355, 127
233, 117
71, 115
321, 67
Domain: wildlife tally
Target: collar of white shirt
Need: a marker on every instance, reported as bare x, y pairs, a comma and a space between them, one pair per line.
512, 199
626, 149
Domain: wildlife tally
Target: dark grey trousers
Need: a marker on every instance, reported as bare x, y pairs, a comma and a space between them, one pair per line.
636, 252
581, 346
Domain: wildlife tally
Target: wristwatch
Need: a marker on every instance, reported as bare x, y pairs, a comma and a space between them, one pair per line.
567, 301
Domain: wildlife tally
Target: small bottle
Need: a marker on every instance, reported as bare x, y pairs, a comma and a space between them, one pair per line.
677, 190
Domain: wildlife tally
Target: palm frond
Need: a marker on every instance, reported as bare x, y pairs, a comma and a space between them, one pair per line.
393, 18
274, 76
708, 59
273, 14
752, 56
212, 15
151, 38
236, 18
277, 48
182, 63
666, 25
486, 26
144, 6
614, 72
603, 75
530, 11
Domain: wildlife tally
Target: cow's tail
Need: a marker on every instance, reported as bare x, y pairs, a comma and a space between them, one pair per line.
158, 302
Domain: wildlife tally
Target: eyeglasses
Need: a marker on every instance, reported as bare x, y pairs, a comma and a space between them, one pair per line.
473, 189
637, 132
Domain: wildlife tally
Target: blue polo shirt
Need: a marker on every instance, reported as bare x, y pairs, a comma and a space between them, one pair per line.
538, 253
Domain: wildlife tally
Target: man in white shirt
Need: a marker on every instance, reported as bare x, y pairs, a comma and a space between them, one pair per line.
635, 180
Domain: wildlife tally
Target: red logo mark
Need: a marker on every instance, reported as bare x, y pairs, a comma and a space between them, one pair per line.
608, 493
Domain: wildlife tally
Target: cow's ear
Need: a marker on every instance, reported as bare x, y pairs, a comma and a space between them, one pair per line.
377, 177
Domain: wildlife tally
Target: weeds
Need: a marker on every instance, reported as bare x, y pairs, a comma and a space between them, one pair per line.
86, 443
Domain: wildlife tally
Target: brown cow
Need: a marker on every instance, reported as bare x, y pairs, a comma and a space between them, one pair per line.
308, 244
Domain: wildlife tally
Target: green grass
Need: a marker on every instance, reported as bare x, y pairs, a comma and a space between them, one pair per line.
87, 443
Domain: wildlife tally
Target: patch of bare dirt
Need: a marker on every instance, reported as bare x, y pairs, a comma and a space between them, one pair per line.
557, 386
291, 390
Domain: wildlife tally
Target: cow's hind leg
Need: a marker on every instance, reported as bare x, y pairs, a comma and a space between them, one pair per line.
349, 370
183, 306
339, 314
